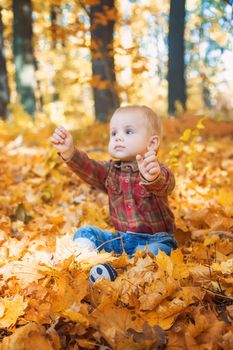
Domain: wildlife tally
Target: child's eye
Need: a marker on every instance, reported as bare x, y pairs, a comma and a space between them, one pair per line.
129, 131
113, 133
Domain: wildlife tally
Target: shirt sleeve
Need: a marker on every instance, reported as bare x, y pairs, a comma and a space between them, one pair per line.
163, 184
89, 170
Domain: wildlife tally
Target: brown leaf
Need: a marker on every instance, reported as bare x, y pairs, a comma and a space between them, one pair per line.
156, 335
31, 337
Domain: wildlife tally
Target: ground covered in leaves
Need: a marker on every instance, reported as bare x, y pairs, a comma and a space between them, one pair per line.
184, 301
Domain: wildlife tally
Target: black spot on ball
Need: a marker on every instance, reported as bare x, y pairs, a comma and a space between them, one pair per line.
92, 278
112, 272
99, 270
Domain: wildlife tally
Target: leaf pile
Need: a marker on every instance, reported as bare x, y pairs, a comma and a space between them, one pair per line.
182, 301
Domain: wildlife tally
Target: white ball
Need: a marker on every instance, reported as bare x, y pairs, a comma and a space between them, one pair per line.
102, 271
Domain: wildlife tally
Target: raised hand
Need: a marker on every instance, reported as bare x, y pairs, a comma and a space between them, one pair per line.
148, 165
62, 140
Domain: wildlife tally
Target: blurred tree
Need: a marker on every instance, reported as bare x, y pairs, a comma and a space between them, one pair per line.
207, 39
54, 11
230, 2
4, 88
103, 16
205, 87
176, 65
68, 74
23, 54
56, 26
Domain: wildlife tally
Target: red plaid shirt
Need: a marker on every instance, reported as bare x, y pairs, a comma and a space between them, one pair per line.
135, 204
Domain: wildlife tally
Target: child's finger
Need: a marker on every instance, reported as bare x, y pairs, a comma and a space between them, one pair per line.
63, 130
139, 159
53, 140
150, 159
57, 139
149, 153
60, 133
57, 136
154, 170
150, 166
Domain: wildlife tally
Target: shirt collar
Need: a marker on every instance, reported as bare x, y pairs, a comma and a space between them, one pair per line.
133, 165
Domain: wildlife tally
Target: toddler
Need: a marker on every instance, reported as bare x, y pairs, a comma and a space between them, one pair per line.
137, 184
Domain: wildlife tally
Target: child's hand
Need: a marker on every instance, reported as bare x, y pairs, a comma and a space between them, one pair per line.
148, 165
62, 140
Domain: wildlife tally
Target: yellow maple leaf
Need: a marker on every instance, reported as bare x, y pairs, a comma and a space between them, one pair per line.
186, 135
113, 321
75, 316
226, 267
31, 337
156, 292
180, 269
225, 197
164, 262
173, 265
13, 308
167, 312
211, 240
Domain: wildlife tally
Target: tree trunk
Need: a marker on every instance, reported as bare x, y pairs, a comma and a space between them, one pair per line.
54, 11
53, 18
176, 66
23, 54
4, 88
104, 78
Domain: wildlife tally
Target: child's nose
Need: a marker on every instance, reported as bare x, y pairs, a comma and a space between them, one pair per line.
119, 137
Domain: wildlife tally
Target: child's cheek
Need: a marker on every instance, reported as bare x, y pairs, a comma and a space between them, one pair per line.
110, 148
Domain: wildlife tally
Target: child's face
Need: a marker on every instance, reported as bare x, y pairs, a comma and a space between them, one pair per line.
129, 135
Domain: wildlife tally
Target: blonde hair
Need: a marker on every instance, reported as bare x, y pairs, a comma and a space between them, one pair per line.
154, 122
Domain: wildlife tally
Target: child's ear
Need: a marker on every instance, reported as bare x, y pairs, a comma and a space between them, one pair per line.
153, 144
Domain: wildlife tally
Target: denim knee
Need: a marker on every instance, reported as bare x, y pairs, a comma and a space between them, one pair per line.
155, 247
85, 232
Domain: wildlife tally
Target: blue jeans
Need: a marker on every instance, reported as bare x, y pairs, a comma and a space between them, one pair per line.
127, 241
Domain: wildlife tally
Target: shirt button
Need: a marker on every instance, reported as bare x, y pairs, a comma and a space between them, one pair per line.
127, 180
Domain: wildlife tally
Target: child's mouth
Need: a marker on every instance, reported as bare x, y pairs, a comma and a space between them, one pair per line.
119, 148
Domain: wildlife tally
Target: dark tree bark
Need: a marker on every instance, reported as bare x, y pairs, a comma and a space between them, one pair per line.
53, 19
23, 54
176, 65
56, 34
54, 11
204, 60
4, 88
105, 92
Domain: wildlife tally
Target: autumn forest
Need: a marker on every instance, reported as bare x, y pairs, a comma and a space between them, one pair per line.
73, 63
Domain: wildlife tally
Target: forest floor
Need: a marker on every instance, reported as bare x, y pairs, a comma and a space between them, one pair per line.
182, 301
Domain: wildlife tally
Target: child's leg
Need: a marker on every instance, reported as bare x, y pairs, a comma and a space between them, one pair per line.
155, 247
91, 238
154, 242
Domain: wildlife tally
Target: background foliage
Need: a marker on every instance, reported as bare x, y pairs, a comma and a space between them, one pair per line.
182, 301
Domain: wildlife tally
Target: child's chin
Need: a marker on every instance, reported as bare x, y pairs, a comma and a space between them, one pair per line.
127, 159
122, 157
